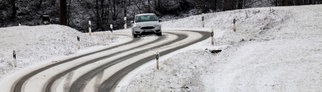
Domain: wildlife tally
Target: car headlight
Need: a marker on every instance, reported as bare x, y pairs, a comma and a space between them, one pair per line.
137, 26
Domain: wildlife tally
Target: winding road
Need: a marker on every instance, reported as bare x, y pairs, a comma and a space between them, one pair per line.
102, 70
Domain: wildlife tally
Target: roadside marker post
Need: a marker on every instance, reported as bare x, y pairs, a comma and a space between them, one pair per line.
78, 42
125, 24
89, 27
212, 37
111, 26
202, 20
78, 38
157, 56
14, 55
234, 24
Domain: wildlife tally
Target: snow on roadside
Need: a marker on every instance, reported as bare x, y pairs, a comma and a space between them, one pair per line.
278, 50
277, 65
35, 45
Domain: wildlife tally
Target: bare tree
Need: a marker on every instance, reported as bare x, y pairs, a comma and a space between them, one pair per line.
98, 18
13, 9
229, 4
53, 2
124, 8
39, 4
63, 12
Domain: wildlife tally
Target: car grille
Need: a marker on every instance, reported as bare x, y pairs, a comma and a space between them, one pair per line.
148, 27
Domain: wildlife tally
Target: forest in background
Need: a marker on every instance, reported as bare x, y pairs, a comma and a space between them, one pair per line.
102, 13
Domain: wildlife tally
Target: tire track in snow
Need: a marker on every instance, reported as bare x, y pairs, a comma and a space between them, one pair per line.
18, 85
110, 84
81, 82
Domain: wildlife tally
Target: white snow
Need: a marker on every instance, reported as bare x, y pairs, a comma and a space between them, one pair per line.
278, 50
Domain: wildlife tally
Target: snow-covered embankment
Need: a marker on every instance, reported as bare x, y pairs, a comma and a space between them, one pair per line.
36, 45
278, 49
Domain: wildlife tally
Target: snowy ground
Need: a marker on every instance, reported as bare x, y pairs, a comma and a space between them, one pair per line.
278, 50
272, 50
36, 45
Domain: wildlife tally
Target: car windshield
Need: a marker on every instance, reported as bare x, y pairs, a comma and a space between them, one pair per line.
145, 18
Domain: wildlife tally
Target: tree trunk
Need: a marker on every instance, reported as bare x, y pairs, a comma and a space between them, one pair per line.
149, 5
229, 4
98, 19
102, 13
14, 10
69, 14
239, 4
125, 10
53, 2
63, 12
114, 10
223, 5
39, 5
215, 8
276, 2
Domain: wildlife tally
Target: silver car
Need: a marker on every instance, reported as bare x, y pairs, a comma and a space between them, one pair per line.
146, 23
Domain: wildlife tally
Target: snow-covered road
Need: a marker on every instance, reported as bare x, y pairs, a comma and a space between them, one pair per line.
89, 72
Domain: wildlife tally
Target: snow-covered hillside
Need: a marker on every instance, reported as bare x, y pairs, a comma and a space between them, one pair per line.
35, 45
273, 50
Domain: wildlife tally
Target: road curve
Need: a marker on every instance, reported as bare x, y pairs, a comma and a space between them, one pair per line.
41, 79
45, 78
62, 74
34, 81
110, 84
80, 83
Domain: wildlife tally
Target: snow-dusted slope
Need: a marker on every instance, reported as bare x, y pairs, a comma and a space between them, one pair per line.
278, 50
41, 44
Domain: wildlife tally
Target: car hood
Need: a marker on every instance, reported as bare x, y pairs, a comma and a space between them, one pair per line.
150, 23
